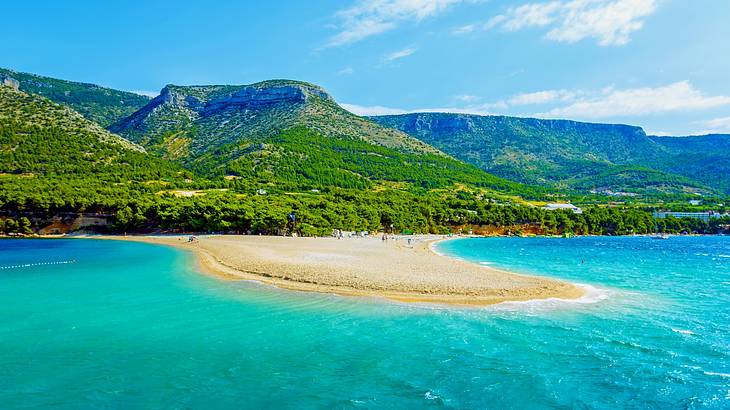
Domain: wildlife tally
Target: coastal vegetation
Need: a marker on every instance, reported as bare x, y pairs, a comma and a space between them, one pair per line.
242, 159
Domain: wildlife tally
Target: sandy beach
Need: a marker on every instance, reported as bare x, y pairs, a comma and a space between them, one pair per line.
393, 269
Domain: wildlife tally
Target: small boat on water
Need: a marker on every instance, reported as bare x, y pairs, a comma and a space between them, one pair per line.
661, 236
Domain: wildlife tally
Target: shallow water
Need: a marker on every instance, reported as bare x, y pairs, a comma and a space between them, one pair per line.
129, 325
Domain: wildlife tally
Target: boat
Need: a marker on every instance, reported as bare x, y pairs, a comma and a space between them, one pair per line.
662, 236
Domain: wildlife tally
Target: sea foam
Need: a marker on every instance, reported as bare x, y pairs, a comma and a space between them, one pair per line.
725, 375
592, 295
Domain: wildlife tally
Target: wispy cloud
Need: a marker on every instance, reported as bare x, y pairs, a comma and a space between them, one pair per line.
542, 97
372, 17
380, 110
365, 110
468, 28
606, 103
397, 55
467, 98
146, 93
659, 133
609, 22
346, 71
717, 126
676, 97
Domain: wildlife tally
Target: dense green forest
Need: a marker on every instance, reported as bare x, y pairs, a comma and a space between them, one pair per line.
320, 213
299, 158
704, 158
43, 140
55, 165
102, 105
576, 155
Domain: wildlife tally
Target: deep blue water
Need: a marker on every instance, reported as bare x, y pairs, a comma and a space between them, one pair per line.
128, 325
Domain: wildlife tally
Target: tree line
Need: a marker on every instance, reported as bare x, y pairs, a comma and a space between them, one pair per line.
318, 214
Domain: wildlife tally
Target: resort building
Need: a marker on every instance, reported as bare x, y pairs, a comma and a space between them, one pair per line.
553, 207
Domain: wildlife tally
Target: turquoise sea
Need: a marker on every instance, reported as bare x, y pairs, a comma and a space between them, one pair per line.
103, 324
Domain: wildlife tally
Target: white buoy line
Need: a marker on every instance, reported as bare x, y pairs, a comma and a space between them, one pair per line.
30, 265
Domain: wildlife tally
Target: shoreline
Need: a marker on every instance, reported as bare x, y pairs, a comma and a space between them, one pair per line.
362, 267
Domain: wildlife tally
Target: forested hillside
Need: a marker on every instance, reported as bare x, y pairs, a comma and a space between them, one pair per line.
705, 158
569, 154
291, 135
186, 122
243, 158
104, 106
51, 155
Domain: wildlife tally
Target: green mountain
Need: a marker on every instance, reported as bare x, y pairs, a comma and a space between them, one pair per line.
704, 158
189, 120
104, 106
50, 153
56, 165
255, 154
291, 135
569, 154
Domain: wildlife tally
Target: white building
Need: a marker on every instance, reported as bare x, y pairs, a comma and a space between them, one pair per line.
553, 207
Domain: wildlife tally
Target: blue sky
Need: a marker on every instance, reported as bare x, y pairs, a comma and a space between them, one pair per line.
660, 64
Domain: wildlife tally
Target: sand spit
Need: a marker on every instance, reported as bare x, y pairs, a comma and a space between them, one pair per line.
395, 269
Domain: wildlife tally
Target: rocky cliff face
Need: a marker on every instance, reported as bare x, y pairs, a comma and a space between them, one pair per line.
9, 82
178, 105
542, 151
265, 95
447, 124
206, 100
203, 118
256, 98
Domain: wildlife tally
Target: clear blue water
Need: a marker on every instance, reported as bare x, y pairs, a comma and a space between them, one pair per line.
127, 325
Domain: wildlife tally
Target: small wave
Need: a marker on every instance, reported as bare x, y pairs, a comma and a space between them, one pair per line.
683, 331
485, 263
592, 295
431, 396
432, 246
724, 256
725, 375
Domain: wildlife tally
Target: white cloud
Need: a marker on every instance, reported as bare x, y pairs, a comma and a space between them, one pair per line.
541, 97
610, 22
372, 110
346, 71
677, 97
396, 55
380, 110
467, 98
545, 97
717, 126
146, 93
372, 17
464, 29
659, 133
528, 15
